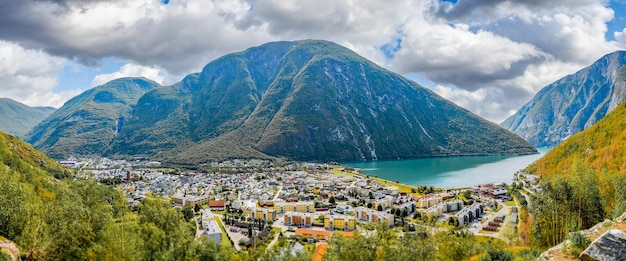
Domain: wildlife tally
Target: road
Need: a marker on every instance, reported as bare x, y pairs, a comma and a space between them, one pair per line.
280, 189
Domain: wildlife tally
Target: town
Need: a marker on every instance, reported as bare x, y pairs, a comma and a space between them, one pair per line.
252, 203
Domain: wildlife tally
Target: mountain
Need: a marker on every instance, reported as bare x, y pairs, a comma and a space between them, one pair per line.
601, 147
17, 118
572, 103
582, 180
303, 100
87, 123
324, 102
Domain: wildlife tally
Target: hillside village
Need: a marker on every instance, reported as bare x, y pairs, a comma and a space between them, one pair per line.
304, 201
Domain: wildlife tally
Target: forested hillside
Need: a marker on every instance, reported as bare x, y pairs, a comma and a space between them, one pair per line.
52, 219
583, 179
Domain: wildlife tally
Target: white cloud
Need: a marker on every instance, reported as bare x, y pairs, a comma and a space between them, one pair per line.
620, 37
130, 70
455, 55
496, 56
495, 53
29, 76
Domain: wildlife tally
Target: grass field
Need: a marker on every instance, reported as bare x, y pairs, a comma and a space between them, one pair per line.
510, 203
225, 241
401, 187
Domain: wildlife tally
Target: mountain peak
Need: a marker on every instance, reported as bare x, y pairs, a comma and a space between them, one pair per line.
572, 103
301, 100
86, 124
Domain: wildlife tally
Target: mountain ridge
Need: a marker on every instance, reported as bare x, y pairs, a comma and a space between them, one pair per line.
85, 124
572, 103
17, 118
302, 100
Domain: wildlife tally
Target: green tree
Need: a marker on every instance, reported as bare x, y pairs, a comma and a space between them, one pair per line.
187, 212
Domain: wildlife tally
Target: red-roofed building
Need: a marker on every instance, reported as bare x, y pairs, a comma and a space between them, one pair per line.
217, 204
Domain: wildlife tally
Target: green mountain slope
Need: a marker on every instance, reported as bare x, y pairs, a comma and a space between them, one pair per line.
203, 105
324, 102
17, 118
303, 100
88, 123
572, 103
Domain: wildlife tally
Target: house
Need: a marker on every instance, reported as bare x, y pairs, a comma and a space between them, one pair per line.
266, 203
70, 163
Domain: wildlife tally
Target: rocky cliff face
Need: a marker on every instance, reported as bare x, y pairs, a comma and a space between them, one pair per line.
572, 103
609, 246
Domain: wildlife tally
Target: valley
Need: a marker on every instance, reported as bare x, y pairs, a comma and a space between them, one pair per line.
238, 192
239, 161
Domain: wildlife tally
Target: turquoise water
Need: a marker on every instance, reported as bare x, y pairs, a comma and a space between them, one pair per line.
449, 172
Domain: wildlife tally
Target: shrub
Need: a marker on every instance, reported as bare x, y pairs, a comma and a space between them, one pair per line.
579, 240
497, 255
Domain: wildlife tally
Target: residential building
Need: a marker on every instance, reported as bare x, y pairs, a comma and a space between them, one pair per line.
471, 213
340, 222
217, 204
370, 215
385, 203
436, 210
211, 229
266, 214
190, 200
316, 235
408, 206
428, 201
304, 206
298, 219
451, 206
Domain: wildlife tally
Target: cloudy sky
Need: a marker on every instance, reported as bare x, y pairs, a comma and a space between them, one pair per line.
489, 56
